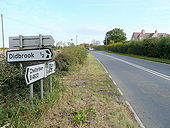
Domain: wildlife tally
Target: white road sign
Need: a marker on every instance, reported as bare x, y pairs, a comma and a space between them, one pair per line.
37, 72
34, 73
30, 41
29, 55
50, 68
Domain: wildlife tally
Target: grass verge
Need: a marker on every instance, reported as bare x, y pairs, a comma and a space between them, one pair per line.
144, 57
90, 100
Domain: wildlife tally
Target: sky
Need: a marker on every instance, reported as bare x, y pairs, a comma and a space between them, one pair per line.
88, 19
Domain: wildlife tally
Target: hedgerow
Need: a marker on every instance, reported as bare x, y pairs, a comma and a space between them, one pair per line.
150, 47
15, 106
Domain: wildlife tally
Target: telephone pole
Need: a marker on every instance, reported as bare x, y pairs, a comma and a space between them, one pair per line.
2, 32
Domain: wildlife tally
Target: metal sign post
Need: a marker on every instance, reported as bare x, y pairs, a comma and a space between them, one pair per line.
21, 66
31, 91
51, 84
35, 72
41, 81
42, 88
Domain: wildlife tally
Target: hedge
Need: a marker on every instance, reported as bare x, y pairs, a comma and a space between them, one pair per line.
151, 47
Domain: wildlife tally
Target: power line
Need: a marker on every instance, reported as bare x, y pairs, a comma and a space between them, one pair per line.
29, 24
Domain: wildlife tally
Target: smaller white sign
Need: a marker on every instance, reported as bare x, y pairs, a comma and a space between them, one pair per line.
50, 68
37, 72
34, 73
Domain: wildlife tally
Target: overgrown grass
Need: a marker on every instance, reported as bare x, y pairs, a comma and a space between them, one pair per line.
90, 100
23, 113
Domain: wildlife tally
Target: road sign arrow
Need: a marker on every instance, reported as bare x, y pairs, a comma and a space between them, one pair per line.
26, 76
49, 54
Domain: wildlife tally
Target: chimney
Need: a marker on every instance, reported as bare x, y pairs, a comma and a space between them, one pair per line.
156, 31
143, 31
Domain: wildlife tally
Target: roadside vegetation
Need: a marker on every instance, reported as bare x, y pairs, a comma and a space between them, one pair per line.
154, 49
16, 109
83, 96
90, 100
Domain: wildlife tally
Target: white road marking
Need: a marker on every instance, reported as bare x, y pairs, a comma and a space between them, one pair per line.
102, 65
114, 82
120, 91
110, 76
141, 67
135, 115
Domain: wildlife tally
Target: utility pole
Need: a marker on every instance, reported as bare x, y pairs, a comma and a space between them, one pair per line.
76, 39
2, 33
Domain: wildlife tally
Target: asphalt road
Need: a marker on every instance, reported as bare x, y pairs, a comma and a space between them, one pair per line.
145, 84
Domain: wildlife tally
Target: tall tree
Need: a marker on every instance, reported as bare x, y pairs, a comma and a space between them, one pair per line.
116, 35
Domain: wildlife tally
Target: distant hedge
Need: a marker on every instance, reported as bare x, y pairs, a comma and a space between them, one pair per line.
151, 47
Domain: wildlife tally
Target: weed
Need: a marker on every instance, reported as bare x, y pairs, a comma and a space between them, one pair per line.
80, 117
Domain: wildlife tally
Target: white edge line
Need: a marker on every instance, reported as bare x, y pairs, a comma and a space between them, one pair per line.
130, 107
102, 65
120, 91
106, 71
135, 115
141, 67
114, 82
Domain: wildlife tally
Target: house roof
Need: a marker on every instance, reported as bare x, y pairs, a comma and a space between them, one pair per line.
138, 35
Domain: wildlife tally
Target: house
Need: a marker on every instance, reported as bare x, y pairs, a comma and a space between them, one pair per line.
142, 35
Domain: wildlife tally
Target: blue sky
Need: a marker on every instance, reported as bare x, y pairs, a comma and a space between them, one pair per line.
89, 19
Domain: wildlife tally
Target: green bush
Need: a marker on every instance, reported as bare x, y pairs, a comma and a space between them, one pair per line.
164, 47
135, 47
70, 56
100, 47
151, 47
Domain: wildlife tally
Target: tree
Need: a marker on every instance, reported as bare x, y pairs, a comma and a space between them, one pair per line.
116, 35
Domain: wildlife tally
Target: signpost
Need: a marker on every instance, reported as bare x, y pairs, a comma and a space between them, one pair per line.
31, 41
31, 48
29, 55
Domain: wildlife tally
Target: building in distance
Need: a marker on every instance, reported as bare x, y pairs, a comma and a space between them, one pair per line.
142, 35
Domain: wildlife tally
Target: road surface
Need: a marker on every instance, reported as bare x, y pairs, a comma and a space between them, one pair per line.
145, 84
